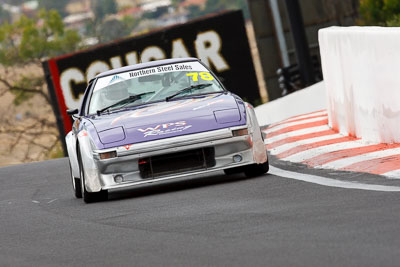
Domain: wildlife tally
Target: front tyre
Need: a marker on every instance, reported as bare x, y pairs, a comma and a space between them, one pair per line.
254, 170
90, 197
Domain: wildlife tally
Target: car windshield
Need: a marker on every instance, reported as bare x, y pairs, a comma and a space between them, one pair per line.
151, 85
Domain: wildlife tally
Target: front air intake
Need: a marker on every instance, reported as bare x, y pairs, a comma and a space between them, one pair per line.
173, 163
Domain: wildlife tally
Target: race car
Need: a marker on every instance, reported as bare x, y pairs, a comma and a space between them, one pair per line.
158, 121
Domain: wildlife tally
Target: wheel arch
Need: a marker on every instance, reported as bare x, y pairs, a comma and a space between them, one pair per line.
84, 152
72, 153
259, 150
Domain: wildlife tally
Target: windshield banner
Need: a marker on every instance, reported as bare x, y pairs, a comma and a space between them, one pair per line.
187, 66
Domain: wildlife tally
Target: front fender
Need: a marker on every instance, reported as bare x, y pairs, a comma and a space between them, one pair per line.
70, 140
91, 172
259, 151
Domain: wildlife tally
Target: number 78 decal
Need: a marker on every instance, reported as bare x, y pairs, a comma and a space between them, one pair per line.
203, 75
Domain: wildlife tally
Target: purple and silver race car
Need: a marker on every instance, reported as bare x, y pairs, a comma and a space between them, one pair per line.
158, 121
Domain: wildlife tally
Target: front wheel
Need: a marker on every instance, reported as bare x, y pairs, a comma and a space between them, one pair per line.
254, 170
90, 197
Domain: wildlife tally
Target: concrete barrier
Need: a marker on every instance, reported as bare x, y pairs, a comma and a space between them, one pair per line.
361, 68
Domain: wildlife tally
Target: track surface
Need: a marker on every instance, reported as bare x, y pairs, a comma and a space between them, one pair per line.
214, 220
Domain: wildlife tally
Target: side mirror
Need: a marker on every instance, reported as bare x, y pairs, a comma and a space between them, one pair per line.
72, 112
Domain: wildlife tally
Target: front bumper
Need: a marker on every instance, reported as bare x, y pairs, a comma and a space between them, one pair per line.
126, 164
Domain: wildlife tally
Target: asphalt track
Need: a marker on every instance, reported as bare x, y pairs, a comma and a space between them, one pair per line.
214, 220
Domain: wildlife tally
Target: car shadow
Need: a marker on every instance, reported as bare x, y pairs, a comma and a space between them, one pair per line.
176, 185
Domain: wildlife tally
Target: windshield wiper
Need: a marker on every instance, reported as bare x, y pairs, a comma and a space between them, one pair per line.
193, 87
125, 101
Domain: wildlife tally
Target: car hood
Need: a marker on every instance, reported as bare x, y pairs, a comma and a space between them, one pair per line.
169, 119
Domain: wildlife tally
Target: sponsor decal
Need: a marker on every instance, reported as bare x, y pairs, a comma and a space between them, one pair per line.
115, 78
203, 75
209, 104
82, 133
165, 128
202, 72
168, 68
141, 73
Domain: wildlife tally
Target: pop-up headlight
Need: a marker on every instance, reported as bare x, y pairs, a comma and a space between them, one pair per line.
227, 115
112, 135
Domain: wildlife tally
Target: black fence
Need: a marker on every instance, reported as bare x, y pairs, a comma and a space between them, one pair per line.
289, 78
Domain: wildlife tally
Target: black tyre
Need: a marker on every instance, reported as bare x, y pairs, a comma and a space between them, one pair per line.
90, 197
76, 184
256, 169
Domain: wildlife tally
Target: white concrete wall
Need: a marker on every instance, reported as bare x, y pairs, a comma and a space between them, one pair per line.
304, 101
361, 68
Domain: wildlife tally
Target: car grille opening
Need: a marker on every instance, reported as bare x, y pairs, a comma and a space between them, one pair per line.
189, 160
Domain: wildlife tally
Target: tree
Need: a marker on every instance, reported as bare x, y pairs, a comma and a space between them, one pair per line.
175, 3
4, 15
58, 5
216, 5
108, 29
380, 12
219, 5
130, 23
102, 8
113, 29
13, 2
194, 11
23, 45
